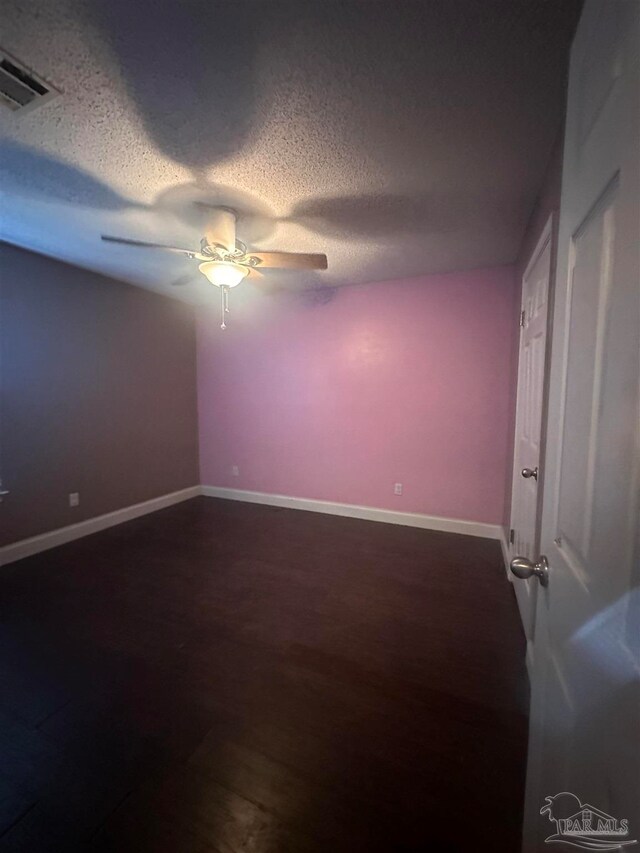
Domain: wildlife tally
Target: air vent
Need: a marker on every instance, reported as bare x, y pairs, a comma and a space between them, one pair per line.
20, 89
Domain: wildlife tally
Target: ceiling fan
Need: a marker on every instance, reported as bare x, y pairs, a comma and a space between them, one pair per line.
224, 260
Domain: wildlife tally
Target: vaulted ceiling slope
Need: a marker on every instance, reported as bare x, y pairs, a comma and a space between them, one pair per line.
398, 137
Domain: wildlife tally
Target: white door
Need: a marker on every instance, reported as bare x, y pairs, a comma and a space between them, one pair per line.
527, 467
585, 711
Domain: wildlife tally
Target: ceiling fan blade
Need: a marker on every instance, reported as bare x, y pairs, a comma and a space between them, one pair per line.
290, 260
221, 226
139, 243
182, 280
254, 273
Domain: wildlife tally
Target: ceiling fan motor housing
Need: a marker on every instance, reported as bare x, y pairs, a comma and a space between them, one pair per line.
221, 228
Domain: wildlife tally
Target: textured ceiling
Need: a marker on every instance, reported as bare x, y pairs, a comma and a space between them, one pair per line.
398, 137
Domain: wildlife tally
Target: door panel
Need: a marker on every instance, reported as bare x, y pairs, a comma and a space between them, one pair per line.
588, 307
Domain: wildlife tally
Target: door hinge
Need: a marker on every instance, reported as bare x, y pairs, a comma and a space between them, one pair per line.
522, 319
512, 536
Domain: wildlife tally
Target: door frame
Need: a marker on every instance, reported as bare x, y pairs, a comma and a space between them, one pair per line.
548, 236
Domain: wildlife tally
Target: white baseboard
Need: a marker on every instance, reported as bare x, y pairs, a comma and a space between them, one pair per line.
53, 538
368, 513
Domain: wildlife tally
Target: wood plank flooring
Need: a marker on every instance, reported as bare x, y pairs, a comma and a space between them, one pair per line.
222, 678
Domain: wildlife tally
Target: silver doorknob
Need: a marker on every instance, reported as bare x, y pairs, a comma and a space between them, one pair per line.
530, 472
523, 569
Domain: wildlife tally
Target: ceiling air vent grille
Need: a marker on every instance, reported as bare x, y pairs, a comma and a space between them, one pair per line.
20, 89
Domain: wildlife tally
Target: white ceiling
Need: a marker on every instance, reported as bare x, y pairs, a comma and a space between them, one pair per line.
399, 138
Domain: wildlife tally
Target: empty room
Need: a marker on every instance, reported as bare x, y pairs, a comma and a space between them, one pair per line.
319, 426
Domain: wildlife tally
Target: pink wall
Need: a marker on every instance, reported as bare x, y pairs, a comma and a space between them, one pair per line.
338, 399
97, 394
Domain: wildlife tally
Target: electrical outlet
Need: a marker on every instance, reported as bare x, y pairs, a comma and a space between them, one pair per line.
74, 498
235, 471
397, 488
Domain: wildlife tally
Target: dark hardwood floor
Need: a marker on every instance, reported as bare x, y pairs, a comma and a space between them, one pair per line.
228, 677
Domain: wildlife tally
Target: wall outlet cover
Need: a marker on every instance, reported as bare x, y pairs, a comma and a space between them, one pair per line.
397, 488
74, 498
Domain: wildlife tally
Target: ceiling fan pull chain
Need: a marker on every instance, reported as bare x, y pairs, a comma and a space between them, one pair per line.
223, 325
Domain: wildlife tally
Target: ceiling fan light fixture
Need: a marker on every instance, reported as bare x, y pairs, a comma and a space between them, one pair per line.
225, 261
224, 273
